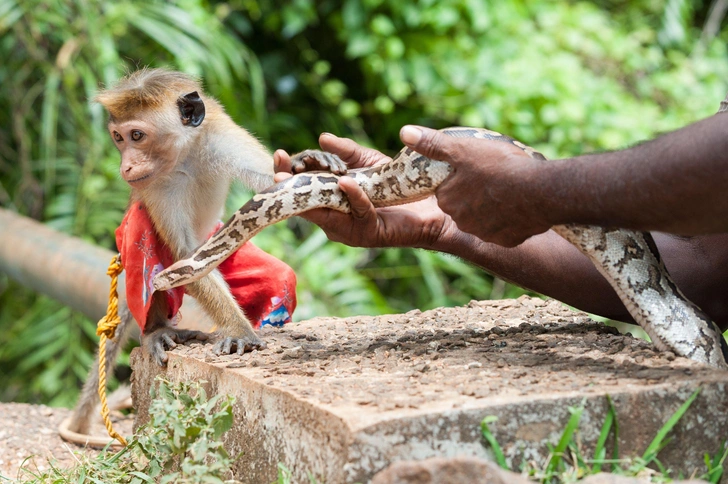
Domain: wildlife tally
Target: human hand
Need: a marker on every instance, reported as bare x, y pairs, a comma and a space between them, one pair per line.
418, 224
492, 190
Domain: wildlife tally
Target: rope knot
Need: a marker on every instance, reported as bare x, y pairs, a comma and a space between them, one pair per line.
115, 267
107, 327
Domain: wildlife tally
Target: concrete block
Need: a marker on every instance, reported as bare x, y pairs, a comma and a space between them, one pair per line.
344, 398
461, 470
454, 470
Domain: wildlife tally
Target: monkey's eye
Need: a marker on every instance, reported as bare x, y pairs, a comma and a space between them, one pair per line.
117, 137
136, 135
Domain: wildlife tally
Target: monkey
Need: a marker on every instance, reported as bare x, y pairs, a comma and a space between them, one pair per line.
180, 152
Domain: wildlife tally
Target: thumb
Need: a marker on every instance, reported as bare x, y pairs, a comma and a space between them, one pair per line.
281, 161
361, 206
429, 142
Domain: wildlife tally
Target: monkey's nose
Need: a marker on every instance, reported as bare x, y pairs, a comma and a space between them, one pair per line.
126, 171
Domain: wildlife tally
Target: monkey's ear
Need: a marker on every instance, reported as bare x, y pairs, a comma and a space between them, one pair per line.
191, 109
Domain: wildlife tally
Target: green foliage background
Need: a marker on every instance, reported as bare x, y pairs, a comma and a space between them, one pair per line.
566, 77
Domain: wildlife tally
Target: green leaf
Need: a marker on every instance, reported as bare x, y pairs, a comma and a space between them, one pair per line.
658, 442
566, 436
490, 438
599, 450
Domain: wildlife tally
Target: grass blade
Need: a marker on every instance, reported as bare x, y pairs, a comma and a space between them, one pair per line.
566, 436
49, 125
615, 452
715, 465
658, 442
599, 451
494, 445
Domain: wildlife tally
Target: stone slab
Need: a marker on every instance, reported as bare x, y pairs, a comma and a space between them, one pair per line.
344, 398
462, 470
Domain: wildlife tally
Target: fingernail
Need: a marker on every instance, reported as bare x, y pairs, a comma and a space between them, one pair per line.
326, 133
411, 135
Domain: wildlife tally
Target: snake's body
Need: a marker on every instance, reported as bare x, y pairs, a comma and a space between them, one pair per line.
629, 260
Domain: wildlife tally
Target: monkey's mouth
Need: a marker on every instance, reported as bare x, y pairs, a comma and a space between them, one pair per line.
139, 179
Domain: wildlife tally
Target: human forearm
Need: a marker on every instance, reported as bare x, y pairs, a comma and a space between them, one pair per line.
496, 192
546, 264
551, 266
675, 184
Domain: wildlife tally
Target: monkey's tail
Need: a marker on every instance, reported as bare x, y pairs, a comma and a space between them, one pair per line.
87, 407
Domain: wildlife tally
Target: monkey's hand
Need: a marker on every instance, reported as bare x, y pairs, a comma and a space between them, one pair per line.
162, 339
238, 343
316, 160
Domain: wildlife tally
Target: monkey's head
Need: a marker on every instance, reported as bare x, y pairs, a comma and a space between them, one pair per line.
153, 119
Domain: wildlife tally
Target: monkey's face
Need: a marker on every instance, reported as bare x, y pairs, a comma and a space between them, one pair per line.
146, 152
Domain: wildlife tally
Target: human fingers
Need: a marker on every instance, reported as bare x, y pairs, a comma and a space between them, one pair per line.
430, 142
509, 238
507, 228
438, 145
281, 161
281, 165
353, 154
361, 205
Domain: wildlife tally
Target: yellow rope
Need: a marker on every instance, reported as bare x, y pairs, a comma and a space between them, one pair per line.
106, 328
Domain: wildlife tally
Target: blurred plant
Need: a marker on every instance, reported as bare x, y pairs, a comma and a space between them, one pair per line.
566, 77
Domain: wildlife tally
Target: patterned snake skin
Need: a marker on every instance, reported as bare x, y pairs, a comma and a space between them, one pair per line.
629, 260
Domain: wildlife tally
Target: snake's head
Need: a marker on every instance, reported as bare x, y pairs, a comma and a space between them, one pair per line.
173, 276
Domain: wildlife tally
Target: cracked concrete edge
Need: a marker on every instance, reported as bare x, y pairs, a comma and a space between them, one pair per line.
274, 426
455, 470
465, 469
524, 428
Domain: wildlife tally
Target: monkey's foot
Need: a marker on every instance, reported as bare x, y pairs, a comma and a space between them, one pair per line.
239, 344
159, 341
317, 160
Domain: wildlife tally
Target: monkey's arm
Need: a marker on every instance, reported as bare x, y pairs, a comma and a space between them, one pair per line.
211, 292
254, 176
159, 336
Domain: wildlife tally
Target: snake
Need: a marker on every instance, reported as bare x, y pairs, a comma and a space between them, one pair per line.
629, 260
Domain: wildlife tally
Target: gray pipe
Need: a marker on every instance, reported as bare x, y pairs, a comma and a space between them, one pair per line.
67, 269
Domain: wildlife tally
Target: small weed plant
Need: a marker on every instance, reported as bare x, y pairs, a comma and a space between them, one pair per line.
567, 461
180, 444
285, 476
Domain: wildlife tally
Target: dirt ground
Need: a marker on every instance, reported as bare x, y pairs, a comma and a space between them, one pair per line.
31, 432
426, 360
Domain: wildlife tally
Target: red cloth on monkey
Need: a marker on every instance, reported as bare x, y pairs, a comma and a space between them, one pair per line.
263, 286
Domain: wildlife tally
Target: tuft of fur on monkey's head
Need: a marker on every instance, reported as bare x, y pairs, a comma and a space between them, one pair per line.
145, 89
